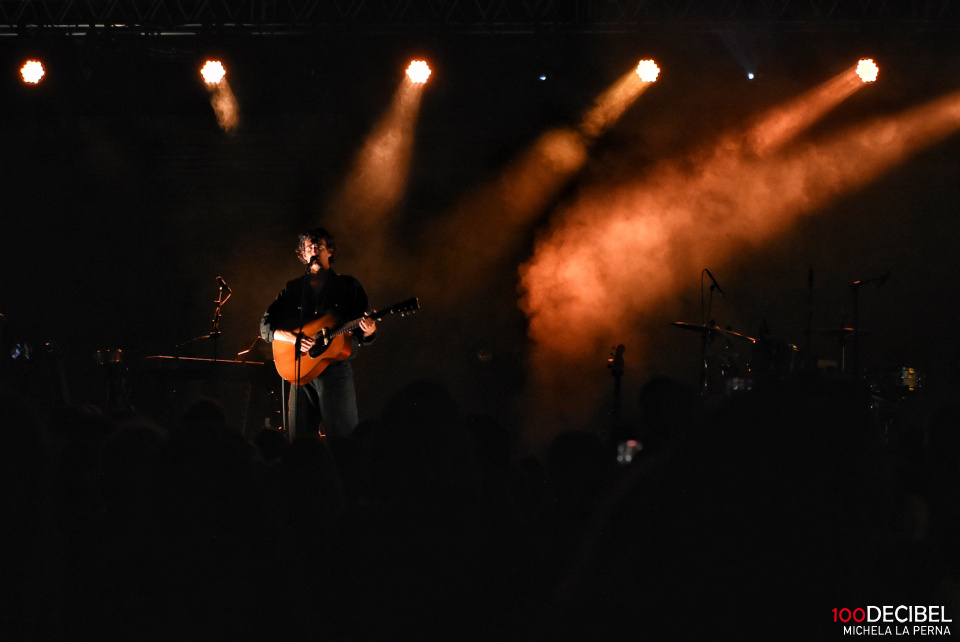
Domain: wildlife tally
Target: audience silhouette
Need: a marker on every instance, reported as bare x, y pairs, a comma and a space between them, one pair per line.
755, 518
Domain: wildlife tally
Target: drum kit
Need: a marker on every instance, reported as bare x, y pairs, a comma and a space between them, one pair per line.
745, 361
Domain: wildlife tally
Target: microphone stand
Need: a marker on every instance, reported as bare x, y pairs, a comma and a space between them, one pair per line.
218, 315
295, 422
222, 297
224, 294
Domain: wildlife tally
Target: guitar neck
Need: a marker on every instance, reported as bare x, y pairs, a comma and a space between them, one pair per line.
346, 327
404, 307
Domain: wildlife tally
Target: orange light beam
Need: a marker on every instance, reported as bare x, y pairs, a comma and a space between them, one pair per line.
377, 179
711, 188
787, 122
225, 106
610, 105
500, 211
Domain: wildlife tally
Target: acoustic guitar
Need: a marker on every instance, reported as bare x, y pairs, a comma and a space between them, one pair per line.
331, 343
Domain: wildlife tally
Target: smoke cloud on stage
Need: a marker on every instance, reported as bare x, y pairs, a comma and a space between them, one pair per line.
618, 252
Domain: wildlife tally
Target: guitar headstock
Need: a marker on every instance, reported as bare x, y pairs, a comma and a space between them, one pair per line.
409, 306
403, 308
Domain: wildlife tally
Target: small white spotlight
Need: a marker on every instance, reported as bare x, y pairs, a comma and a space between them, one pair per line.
750, 76
543, 76
418, 71
32, 71
648, 71
867, 70
213, 72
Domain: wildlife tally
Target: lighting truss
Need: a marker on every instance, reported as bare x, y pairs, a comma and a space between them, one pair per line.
178, 17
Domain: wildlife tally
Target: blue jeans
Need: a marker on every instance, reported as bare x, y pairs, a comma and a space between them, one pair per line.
327, 404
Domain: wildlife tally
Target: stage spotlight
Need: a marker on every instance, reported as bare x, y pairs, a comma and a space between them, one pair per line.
418, 71
867, 70
32, 72
222, 100
648, 71
213, 72
750, 76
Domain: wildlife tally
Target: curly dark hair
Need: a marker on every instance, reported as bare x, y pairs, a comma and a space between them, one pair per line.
316, 235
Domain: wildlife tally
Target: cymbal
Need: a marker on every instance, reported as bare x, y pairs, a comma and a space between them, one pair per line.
712, 329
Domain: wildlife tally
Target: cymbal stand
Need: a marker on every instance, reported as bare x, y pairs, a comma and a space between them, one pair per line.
843, 349
705, 319
808, 362
615, 365
855, 289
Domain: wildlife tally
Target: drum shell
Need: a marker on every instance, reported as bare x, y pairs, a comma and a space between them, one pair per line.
774, 360
896, 381
109, 357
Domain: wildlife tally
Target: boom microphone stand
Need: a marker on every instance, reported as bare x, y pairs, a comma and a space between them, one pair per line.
224, 294
222, 297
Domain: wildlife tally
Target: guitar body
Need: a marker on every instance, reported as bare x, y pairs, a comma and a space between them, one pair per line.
336, 348
332, 343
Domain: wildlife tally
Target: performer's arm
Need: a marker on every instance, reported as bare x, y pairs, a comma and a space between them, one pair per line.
306, 342
283, 306
369, 328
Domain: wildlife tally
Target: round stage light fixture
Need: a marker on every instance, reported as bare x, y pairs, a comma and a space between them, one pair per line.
648, 71
213, 72
418, 71
867, 70
32, 72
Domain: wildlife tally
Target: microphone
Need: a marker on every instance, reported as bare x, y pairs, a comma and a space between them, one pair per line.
223, 285
314, 259
715, 284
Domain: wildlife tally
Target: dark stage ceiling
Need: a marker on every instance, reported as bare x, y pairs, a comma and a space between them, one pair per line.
498, 16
